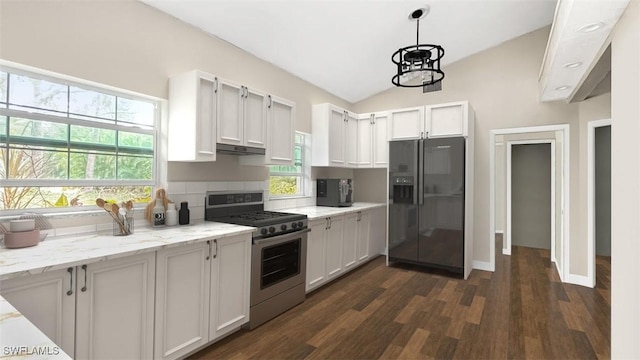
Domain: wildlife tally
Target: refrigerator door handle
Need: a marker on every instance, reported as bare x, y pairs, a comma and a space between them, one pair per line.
420, 192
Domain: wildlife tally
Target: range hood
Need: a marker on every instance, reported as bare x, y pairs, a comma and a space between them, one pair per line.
238, 150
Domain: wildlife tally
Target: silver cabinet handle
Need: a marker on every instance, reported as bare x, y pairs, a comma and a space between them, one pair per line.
70, 271
270, 101
84, 288
215, 85
216, 254
209, 253
329, 223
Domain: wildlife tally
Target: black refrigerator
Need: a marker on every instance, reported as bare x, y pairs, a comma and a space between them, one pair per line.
426, 202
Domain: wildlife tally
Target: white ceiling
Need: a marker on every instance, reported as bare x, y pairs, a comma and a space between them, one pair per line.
345, 47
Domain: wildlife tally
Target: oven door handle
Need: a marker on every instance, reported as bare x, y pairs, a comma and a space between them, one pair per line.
280, 238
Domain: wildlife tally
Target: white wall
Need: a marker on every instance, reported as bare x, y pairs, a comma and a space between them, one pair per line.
625, 189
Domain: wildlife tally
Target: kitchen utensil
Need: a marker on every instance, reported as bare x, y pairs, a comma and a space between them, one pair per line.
109, 209
19, 225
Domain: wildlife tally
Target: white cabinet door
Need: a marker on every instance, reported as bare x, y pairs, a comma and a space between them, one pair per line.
316, 254
363, 232
351, 140
281, 128
115, 308
334, 246
192, 117
230, 277
183, 282
255, 118
350, 241
378, 231
48, 300
365, 140
230, 113
446, 120
337, 129
380, 141
406, 123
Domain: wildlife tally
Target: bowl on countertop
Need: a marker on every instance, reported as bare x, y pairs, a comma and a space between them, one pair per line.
15, 240
21, 225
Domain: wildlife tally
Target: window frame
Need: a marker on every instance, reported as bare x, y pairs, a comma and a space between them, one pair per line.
154, 130
305, 170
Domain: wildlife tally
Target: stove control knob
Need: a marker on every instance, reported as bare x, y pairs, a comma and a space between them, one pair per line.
300, 224
272, 229
294, 225
283, 227
263, 231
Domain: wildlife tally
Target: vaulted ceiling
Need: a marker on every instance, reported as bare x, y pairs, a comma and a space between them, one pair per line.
345, 47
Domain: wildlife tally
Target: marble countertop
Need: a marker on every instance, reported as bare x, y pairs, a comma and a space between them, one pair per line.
65, 251
318, 212
20, 339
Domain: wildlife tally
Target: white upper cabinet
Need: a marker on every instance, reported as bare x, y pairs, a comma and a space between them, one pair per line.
192, 117
365, 140
351, 139
255, 118
241, 115
447, 120
373, 145
432, 121
281, 130
406, 123
329, 128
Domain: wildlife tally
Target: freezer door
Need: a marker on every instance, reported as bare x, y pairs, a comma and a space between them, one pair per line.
403, 200
441, 203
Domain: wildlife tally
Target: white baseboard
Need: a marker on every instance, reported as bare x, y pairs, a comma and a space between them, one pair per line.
500, 232
506, 251
483, 265
578, 280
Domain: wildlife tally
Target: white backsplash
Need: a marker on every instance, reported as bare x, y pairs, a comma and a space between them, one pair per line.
194, 193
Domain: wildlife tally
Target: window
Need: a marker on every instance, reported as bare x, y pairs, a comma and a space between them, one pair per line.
66, 144
289, 180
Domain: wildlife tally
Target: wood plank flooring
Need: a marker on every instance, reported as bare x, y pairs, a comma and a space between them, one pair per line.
406, 312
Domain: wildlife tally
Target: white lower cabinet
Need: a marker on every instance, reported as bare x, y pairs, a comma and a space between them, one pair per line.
115, 307
339, 244
183, 282
316, 254
378, 231
99, 310
48, 300
363, 223
230, 284
350, 241
202, 294
335, 238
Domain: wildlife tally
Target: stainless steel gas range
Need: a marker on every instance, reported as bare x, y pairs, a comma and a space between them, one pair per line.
278, 253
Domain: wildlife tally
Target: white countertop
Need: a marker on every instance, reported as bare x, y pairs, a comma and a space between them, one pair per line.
65, 251
20, 339
318, 212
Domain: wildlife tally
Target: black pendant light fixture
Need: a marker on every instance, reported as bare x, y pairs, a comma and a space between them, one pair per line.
418, 65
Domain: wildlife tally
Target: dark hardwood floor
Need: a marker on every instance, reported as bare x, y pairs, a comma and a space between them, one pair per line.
405, 312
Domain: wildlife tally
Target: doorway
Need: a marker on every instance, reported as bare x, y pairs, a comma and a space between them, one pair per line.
531, 180
531, 199
598, 194
562, 201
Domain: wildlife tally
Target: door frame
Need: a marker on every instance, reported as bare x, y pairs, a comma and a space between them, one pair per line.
591, 198
564, 131
506, 249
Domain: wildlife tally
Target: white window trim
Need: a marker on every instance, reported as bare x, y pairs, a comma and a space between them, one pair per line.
160, 156
305, 175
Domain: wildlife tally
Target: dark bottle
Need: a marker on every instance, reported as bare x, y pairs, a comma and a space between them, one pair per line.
183, 214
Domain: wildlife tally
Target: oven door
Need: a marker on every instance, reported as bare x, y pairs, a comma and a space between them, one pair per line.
277, 264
